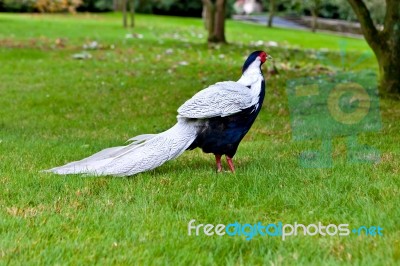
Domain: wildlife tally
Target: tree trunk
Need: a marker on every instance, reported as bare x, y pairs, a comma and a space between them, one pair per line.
219, 30
385, 43
271, 12
115, 5
209, 17
124, 15
205, 15
389, 69
314, 22
132, 11
215, 20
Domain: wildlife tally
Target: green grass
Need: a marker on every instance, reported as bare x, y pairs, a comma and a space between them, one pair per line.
55, 109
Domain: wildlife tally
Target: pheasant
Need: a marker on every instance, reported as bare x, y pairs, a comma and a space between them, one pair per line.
215, 119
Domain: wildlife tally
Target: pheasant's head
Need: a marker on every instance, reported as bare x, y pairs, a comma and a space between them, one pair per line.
255, 60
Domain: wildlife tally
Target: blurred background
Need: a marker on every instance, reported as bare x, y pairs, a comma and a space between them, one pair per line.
331, 15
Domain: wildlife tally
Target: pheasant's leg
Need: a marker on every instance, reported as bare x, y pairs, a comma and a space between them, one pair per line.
230, 163
218, 160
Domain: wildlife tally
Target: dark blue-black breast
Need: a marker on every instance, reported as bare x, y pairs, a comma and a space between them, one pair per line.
222, 135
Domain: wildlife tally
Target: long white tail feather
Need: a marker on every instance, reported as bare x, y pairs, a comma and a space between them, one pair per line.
141, 138
145, 153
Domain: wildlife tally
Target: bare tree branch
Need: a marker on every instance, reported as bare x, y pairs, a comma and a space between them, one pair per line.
372, 35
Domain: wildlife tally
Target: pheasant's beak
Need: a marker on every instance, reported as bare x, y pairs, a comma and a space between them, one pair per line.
269, 57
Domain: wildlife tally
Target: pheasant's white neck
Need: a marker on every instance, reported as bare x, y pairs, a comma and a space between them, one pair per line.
252, 78
253, 68
252, 75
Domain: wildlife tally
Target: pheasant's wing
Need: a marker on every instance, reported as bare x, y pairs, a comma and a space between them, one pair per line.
221, 99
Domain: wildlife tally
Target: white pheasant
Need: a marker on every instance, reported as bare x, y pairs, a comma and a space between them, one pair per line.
215, 120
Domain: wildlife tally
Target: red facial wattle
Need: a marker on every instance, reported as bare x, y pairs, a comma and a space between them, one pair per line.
263, 57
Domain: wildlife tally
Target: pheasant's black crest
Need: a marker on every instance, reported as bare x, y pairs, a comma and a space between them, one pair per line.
251, 59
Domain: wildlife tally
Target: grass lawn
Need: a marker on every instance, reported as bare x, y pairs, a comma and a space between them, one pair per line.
55, 109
